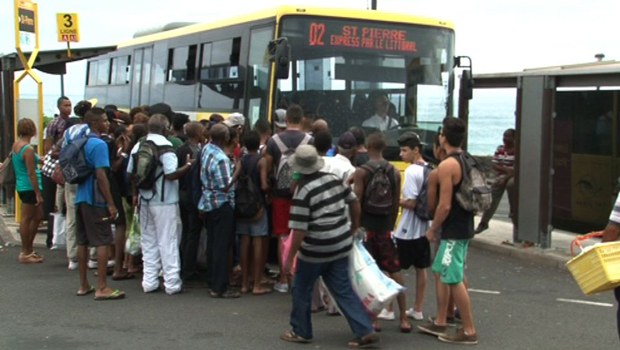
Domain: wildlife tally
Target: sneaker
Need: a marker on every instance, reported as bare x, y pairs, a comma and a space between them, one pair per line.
386, 315
92, 264
450, 321
460, 338
281, 287
418, 316
111, 264
73, 265
433, 329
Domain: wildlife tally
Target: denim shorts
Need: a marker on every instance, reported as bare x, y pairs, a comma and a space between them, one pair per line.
259, 228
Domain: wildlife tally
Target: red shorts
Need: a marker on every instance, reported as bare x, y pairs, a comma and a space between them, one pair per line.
381, 247
281, 211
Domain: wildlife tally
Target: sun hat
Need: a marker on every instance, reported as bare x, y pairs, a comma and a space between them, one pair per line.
306, 160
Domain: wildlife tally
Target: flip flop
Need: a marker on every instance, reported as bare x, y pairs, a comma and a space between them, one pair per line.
406, 329
127, 276
90, 290
290, 336
226, 295
264, 292
367, 342
115, 295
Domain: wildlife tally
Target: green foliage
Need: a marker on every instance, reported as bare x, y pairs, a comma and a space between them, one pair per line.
47, 120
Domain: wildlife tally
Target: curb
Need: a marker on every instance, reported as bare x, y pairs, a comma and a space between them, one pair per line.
534, 255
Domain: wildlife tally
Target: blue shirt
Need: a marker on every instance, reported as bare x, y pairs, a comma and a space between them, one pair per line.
97, 157
216, 174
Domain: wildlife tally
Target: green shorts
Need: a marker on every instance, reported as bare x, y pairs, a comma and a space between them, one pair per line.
450, 260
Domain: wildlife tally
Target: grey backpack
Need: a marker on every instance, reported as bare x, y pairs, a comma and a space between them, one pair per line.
474, 194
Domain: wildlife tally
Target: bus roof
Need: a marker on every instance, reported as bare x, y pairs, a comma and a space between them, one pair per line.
281, 11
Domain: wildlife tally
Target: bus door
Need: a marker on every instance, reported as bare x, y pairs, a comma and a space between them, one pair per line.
258, 77
141, 81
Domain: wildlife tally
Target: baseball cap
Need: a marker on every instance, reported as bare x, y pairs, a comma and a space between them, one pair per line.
235, 119
347, 141
161, 108
280, 118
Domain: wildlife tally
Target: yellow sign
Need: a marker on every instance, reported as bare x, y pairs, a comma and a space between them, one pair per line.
68, 27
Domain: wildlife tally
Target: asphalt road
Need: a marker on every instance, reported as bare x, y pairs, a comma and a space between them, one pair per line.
39, 310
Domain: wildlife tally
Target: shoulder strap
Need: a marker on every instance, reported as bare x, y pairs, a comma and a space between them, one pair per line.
22, 150
281, 146
305, 140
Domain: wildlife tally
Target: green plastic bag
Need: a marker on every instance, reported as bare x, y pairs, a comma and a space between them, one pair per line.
132, 246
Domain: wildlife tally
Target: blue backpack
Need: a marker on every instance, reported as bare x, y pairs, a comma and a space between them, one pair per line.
72, 161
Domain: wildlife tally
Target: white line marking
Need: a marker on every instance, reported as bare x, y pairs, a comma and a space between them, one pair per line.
482, 291
585, 302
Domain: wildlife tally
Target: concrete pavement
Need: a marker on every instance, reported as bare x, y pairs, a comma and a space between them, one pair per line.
517, 304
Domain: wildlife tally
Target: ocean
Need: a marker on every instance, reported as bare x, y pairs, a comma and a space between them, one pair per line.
491, 112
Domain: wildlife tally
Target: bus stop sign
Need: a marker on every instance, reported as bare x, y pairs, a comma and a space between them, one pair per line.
68, 27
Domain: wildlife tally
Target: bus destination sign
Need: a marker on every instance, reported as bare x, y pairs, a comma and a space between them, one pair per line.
360, 37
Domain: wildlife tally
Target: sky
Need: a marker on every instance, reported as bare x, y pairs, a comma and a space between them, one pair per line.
499, 35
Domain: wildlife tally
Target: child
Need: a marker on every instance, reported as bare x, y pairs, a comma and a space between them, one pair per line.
254, 233
413, 247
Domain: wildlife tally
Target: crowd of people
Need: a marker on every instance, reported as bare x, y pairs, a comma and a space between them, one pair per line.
245, 186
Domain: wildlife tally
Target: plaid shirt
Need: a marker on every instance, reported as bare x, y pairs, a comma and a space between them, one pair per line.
614, 218
56, 128
216, 174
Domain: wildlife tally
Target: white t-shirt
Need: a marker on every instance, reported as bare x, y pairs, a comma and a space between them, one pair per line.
380, 123
338, 165
410, 226
170, 164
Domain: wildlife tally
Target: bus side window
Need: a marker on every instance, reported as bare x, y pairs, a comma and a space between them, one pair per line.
182, 63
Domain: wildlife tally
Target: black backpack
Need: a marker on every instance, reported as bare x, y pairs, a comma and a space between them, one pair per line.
145, 163
72, 161
421, 207
378, 193
248, 197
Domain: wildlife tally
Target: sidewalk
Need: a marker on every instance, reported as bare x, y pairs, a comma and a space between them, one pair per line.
494, 239
500, 232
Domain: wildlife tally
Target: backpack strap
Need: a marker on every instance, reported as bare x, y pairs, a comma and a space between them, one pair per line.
281, 146
305, 140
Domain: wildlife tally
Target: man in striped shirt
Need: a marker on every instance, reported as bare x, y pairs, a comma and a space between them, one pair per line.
612, 233
503, 164
322, 240
216, 174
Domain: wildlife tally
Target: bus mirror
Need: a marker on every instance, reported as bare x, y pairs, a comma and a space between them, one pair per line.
280, 52
467, 78
467, 85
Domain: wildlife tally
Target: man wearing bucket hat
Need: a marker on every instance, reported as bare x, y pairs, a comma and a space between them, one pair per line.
322, 241
612, 233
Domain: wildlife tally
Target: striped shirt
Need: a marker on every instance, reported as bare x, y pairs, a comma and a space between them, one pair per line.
320, 209
216, 174
614, 218
504, 158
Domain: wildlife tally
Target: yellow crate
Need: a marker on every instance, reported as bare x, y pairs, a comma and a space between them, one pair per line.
598, 269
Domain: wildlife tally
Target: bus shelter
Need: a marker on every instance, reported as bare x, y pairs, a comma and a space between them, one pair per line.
567, 146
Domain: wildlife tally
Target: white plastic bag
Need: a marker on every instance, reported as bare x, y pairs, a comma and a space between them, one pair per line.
375, 290
59, 240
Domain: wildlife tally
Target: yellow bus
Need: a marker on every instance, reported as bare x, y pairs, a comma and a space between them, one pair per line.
338, 64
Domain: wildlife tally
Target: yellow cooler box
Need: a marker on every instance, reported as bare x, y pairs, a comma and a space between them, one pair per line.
598, 269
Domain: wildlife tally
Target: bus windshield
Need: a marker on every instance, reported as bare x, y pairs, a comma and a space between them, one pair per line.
391, 78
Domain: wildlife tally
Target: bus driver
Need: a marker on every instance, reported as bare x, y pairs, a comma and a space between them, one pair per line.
380, 120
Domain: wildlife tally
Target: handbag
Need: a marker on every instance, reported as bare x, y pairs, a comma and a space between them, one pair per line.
49, 164
7, 172
57, 176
